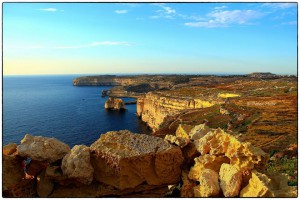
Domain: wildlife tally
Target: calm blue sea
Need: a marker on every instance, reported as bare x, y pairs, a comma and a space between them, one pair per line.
51, 106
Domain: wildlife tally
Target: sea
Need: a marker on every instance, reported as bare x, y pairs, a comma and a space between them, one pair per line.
51, 106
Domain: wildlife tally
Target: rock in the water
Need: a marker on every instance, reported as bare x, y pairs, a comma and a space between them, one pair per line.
42, 148
44, 185
206, 162
230, 180
9, 149
114, 104
77, 165
209, 184
181, 142
125, 160
199, 131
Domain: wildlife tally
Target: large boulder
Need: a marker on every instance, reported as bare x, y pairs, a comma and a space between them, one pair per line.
125, 160
209, 184
230, 180
114, 104
77, 165
42, 148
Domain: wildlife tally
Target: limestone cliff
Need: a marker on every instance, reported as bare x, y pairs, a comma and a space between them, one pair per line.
153, 108
114, 104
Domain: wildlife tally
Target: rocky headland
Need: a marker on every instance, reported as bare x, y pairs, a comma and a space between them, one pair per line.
195, 162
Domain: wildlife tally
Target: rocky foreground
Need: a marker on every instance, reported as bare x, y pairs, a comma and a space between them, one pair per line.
195, 162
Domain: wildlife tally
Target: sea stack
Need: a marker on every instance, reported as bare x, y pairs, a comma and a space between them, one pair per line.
114, 104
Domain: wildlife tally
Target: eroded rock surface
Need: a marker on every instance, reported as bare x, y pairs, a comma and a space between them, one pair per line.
42, 148
242, 155
125, 160
77, 165
209, 184
44, 185
230, 180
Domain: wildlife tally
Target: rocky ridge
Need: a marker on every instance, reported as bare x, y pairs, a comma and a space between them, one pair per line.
124, 164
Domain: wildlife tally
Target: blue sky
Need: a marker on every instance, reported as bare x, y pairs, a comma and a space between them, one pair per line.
97, 38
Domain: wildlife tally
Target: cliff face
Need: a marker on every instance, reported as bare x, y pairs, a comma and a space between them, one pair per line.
153, 108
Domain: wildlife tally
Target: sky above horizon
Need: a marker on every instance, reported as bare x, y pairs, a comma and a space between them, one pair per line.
98, 38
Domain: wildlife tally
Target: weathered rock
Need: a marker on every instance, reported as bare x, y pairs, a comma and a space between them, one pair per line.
183, 131
258, 186
44, 185
77, 165
35, 167
187, 185
230, 180
9, 149
114, 103
125, 160
241, 154
268, 185
209, 184
199, 131
12, 172
181, 142
206, 162
42, 148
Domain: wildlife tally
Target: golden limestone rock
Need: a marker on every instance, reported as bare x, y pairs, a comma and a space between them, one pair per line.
230, 180
114, 104
42, 148
209, 184
206, 162
258, 186
9, 149
183, 131
125, 160
242, 155
77, 165
199, 131
181, 142
268, 185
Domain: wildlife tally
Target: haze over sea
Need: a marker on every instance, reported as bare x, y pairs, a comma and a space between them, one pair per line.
51, 106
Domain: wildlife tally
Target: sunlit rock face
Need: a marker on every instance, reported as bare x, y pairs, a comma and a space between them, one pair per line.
125, 160
153, 108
